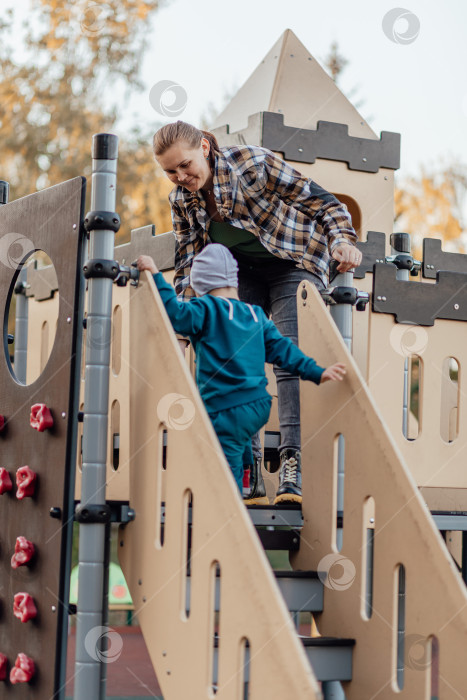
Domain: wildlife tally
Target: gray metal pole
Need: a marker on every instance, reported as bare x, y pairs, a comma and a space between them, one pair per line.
21, 327
402, 245
332, 690
89, 682
4, 192
342, 315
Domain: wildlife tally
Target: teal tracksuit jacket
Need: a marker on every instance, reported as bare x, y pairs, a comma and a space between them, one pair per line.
232, 341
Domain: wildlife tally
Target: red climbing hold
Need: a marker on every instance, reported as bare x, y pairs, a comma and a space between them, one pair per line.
23, 607
2, 423
23, 670
26, 482
24, 552
3, 667
5, 481
41, 418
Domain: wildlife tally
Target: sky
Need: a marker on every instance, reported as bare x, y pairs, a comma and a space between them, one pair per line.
410, 74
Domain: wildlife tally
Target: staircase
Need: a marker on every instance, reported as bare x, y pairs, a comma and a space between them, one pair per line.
330, 658
217, 621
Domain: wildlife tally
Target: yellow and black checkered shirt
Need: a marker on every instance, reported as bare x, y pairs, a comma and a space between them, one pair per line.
293, 217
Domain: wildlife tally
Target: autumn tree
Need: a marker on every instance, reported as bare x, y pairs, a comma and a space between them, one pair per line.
433, 206
52, 100
335, 64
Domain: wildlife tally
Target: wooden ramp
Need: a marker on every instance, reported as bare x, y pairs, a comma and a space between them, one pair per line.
393, 586
253, 621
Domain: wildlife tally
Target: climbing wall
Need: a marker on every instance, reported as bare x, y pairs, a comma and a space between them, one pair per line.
36, 503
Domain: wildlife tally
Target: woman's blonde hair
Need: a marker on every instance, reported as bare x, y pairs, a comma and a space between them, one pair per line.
169, 134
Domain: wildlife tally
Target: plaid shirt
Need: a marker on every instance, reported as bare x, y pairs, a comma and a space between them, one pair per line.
293, 217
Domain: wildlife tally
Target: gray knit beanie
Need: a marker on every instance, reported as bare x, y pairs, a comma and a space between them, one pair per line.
214, 267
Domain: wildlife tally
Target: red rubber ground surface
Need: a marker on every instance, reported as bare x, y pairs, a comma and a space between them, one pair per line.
130, 675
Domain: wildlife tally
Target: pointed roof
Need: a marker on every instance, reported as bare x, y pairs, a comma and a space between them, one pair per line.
290, 81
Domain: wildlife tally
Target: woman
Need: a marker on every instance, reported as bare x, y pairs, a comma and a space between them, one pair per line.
282, 228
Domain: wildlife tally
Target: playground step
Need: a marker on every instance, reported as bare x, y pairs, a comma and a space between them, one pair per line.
329, 657
285, 515
302, 590
278, 527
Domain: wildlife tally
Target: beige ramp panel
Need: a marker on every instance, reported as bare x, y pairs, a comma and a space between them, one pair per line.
42, 323
437, 456
380, 497
154, 561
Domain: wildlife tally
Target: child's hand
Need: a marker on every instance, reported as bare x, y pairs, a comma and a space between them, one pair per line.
145, 262
334, 373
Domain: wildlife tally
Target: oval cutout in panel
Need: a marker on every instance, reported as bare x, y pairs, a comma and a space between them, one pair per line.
31, 317
450, 395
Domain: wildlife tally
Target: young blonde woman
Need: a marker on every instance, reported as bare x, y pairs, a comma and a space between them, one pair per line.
281, 228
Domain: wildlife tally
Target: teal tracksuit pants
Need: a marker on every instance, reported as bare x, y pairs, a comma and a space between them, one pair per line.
235, 428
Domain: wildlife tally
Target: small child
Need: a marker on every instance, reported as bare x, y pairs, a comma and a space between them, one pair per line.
232, 341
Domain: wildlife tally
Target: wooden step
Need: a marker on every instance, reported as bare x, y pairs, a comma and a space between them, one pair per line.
329, 657
278, 527
284, 515
302, 590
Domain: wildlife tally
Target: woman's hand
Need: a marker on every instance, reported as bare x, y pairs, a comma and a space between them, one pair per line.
348, 256
334, 373
145, 262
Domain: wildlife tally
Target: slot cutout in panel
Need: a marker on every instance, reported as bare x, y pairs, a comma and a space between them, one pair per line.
412, 400
160, 514
116, 340
450, 394
244, 674
339, 474
400, 627
214, 607
186, 553
115, 434
433, 668
368, 550
164, 449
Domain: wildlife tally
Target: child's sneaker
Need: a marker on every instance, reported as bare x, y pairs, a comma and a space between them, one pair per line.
257, 495
290, 478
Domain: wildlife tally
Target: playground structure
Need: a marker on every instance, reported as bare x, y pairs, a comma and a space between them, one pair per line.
367, 557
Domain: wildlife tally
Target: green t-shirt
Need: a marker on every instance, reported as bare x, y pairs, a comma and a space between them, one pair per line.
238, 240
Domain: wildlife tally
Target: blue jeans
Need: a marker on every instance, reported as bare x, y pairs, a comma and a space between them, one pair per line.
273, 286
235, 427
